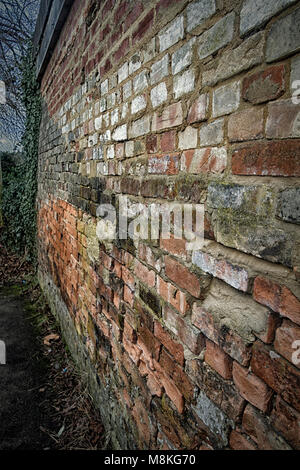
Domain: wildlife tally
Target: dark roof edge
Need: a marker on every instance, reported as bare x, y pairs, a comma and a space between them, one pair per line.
51, 19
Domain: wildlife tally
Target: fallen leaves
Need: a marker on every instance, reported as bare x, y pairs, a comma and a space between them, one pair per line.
49, 338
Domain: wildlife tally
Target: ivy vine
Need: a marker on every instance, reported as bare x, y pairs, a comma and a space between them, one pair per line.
20, 174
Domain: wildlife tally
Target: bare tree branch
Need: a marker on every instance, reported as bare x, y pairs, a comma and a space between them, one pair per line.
17, 23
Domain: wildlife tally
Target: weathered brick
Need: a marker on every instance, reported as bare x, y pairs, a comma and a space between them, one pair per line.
184, 83
140, 127
212, 133
171, 34
170, 117
284, 37
280, 375
235, 276
218, 360
138, 104
251, 387
246, 125
283, 120
144, 274
257, 427
257, 12
206, 160
286, 420
168, 141
159, 95
288, 207
182, 276
164, 164
198, 109
198, 12
120, 133
238, 441
268, 159
216, 37
174, 348
228, 340
140, 82
279, 298
123, 72
188, 138
182, 57
159, 70
143, 27
286, 335
264, 86
232, 62
172, 295
226, 99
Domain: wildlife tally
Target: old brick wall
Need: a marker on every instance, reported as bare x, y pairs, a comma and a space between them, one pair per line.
190, 101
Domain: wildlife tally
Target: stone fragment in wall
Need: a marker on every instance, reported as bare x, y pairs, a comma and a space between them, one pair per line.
283, 120
234, 61
184, 83
217, 36
198, 12
284, 37
212, 133
288, 205
171, 34
255, 13
182, 58
226, 99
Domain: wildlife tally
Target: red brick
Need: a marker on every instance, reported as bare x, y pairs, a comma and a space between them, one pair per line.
246, 125
121, 10
238, 441
128, 296
134, 14
173, 393
218, 360
172, 295
168, 141
278, 298
251, 387
122, 50
148, 344
268, 159
206, 160
141, 417
257, 427
128, 278
276, 372
176, 373
132, 350
174, 246
264, 86
182, 276
144, 274
164, 164
171, 116
198, 110
152, 143
286, 420
143, 27
187, 334
286, 335
174, 348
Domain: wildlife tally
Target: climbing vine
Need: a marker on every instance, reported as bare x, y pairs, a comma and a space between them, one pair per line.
20, 174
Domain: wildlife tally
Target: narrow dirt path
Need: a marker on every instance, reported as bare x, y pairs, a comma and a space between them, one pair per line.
20, 380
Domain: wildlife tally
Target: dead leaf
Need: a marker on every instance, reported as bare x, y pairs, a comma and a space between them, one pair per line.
49, 338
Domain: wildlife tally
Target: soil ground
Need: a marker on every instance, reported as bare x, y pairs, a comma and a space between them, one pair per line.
43, 401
